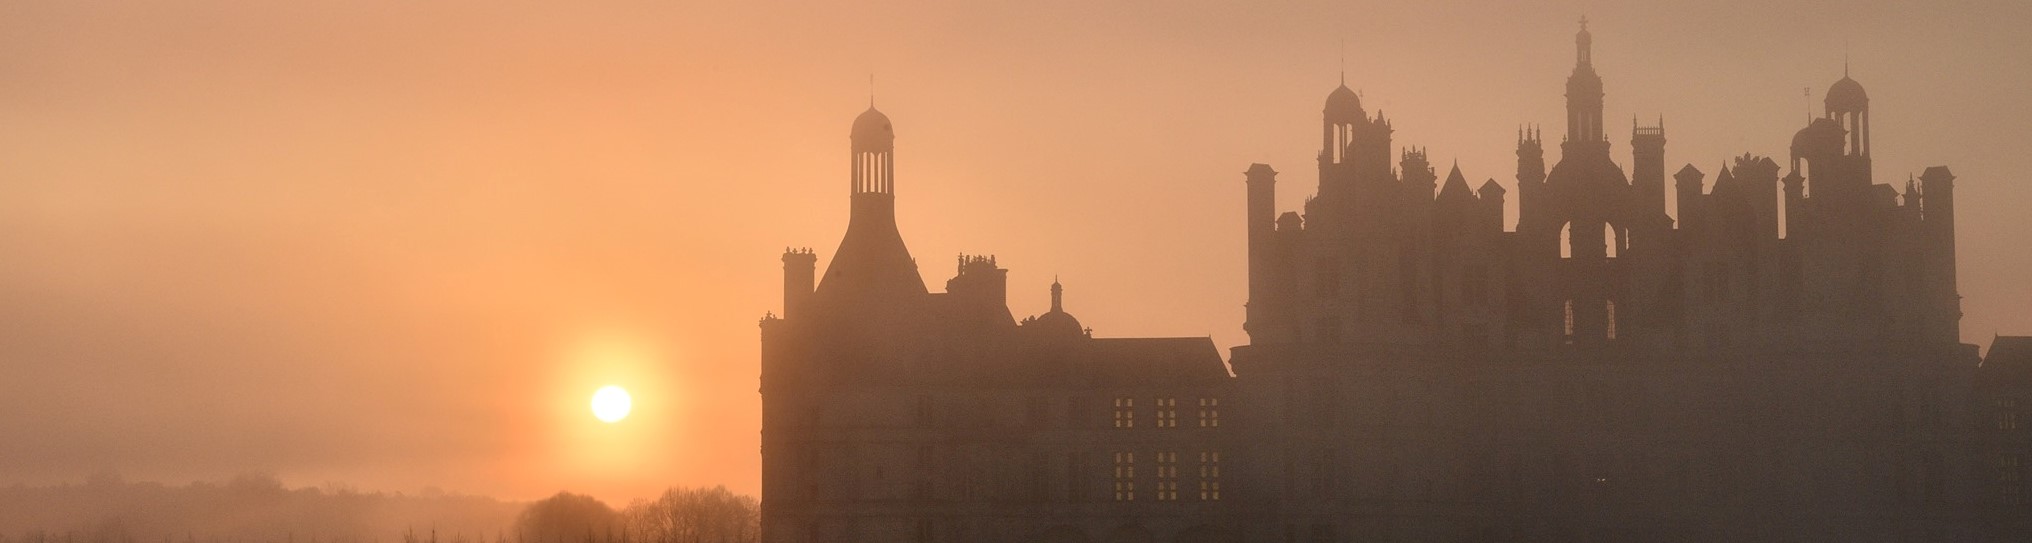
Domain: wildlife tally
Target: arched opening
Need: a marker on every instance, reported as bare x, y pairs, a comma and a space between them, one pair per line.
1566, 240
1612, 238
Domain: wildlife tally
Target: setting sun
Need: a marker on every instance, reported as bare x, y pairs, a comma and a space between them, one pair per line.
611, 404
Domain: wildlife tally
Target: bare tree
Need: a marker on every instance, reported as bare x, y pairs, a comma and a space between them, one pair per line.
565, 518
696, 515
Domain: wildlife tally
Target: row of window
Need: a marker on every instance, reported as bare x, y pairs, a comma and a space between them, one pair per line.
1474, 285
1167, 412
1167, 476
2011, 479
1076, 413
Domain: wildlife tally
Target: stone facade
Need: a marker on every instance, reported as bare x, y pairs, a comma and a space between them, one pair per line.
1780, 363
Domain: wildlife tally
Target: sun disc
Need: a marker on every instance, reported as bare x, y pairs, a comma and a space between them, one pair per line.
611, 404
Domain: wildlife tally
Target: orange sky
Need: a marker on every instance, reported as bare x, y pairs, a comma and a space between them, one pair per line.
399, 245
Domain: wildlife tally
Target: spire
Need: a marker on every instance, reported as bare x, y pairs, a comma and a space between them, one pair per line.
1057, 296
1582, 43
1456, 188
872, 264
1344, 62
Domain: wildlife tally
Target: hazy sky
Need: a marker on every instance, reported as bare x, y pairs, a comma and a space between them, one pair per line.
400, 243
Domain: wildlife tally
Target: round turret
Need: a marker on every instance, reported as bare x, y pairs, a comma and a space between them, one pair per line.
1342, 103
1847, 95
872, 131
1822, 136
1055, 323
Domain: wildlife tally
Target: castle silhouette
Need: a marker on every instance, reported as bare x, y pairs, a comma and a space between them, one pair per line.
1782, 363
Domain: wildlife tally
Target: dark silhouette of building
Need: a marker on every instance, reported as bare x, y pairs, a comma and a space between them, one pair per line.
1781, 363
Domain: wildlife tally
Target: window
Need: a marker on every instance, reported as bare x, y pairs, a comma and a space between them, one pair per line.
1475, 286
1210, 476
1075, 477
1125, 476
1329, 474
1610, 308
1167, 476
1569, 322
1125, 412
2010, 479
1329, 277
1167, 412
2007, 413
1209, 412
1407, 283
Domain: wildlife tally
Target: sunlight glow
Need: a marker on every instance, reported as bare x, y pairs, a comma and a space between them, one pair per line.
611, 404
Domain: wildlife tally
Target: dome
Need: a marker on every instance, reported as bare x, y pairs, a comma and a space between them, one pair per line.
1847, 95
1822, 135
1057, 322
1344, 100
872, 129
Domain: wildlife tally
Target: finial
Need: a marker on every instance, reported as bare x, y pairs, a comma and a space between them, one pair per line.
1809, 101
1057, 293
871, 90
1583, 23
1344, 62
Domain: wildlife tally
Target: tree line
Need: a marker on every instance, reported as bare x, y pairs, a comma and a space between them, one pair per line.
680, 515
257, 508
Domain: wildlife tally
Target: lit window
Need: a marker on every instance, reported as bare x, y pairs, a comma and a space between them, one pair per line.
1611, 309
1210, 475
1125, 412
1125, 476
1167, 412
1209, 412
1569, 321
1167, 476
2007, 413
